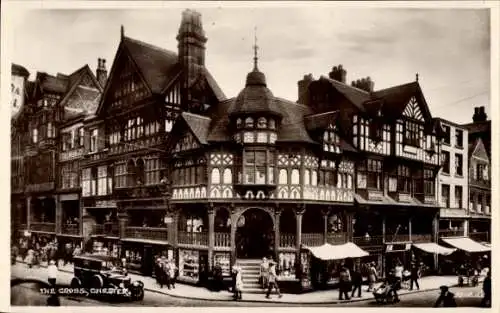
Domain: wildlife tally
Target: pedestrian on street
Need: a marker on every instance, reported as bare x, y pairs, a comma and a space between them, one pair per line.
239, 285
272, 281
52, 271
157, 271
30, 256
446, 297
393, 282
13, 254
344, 283
372, 276
398, 272
486, 301
172, 273
264, 272
414, 275
218, 279
357, 281
234, 271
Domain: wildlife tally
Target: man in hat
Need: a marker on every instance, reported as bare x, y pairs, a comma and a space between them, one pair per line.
52, 271
372, 276
414, 274
272, 280
486, 301
446, 297
264, 272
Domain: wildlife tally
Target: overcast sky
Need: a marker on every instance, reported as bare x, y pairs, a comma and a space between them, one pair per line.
449, 48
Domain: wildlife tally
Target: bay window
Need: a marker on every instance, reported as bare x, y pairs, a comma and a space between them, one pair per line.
258, 165
404, 181
153, 170
429, 183
374, 174
86, 176
120, 175
102, 180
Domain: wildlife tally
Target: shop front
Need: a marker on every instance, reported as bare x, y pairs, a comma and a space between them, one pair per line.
140, 256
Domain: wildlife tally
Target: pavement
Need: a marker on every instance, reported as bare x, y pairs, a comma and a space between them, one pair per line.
184, 291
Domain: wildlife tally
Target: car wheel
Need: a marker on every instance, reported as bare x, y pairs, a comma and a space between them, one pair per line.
96, 282
75, 283
140, 294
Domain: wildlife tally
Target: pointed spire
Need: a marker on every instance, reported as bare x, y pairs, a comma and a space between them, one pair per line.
122, 32
416, 77
255, 48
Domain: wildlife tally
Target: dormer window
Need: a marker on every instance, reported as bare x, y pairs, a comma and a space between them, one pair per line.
262, 123
249, 122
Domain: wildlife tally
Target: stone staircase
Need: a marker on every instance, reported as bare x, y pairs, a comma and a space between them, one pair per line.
250, 271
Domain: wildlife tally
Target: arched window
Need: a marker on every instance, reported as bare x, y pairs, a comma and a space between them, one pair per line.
295, 177
307, 177
283, 180
228, 176
215, 176
262, 123
349, 181
249, 122
314, 178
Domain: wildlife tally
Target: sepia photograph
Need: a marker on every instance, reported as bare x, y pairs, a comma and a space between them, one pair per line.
226, 154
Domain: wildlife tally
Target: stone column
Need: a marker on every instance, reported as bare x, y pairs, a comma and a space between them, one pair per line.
409, 228
211, 236
299, 213
466, 227
349, 217
277, 214
325, 213
383, 228
59, 214
234, 225
28, 212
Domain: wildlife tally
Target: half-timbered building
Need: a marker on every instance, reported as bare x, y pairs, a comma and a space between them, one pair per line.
124, 174
51, 101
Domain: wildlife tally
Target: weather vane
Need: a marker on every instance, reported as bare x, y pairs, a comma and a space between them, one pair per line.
255, 48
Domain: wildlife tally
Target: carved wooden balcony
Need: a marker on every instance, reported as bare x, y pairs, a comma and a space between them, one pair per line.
480, 236
222, 239
70, 229
336, 238
106, 229
43, 227
421, 238
196, 239
287, 240
40, 187
312, 239
368, 241
151, 233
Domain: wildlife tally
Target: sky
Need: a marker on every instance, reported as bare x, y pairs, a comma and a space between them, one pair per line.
448, 48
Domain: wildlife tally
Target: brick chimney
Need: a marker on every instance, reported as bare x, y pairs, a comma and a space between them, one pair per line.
338, 73
304, 88
101, 72
365, 84
479, 114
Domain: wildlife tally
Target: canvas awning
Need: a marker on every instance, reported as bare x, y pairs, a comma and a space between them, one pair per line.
337, 252
466, 244
432, 247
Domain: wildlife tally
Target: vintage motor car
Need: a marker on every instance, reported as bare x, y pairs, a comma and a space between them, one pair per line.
102, 277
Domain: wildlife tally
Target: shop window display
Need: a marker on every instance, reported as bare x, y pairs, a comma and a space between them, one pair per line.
189, 262
133, 259
286, 265
224, 260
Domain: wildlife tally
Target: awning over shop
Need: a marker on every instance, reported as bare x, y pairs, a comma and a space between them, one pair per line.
337, 252
431, 247
466, 244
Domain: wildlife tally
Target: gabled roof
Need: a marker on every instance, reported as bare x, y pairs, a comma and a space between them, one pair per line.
354, 95
198, 124
47, 82
158, 66
478, 149
396, 98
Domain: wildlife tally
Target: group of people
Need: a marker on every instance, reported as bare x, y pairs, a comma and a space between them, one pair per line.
351, 280
165, 272
37, 251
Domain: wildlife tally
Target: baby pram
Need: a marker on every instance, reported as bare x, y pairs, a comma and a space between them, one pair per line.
382, 294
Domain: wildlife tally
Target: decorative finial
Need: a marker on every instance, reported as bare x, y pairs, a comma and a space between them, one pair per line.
122, 32
255, 48
416, 77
